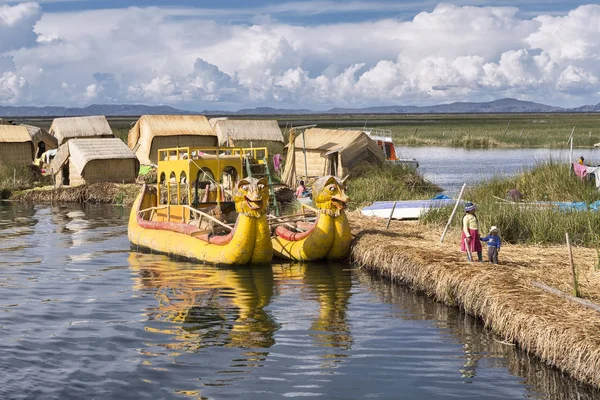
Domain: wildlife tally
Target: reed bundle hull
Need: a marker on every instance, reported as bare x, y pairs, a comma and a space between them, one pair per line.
248, 243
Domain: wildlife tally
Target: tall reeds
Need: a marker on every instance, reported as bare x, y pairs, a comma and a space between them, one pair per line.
387, 182
529, 222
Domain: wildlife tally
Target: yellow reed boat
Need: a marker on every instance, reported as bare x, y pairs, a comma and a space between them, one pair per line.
177, 223
328, 237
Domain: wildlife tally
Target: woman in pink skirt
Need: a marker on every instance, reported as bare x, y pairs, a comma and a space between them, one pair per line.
469, 239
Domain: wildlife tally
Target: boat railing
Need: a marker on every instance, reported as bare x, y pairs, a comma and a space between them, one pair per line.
260, 154
197, 153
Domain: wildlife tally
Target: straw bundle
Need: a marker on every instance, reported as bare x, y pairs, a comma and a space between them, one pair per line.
65, 129
560, 332
248, 130
153, 132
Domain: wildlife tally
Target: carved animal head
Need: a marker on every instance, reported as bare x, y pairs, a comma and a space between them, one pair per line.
251, 197
329, 195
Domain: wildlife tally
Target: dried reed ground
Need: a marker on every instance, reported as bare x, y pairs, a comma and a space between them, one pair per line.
562, 333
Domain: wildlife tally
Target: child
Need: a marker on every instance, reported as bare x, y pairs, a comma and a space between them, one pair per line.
493, 242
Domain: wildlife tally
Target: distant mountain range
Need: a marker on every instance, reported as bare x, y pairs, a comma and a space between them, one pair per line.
507, 105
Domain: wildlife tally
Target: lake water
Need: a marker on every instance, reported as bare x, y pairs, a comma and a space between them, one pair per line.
83, 317
449, 168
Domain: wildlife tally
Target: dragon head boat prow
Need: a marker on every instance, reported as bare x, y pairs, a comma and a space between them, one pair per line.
251, 197
329, 195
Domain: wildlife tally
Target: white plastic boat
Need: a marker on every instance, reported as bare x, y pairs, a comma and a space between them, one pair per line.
406, 209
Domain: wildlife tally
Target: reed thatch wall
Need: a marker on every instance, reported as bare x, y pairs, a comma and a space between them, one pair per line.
96, 160
230, 131
16, 147
333, 151
65, 129
562, 333
168, 131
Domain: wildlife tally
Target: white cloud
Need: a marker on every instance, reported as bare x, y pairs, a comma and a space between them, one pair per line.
178, 56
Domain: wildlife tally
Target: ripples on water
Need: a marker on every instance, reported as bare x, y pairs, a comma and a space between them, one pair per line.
83, 317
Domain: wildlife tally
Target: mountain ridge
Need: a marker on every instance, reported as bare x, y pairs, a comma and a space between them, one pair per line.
504, 105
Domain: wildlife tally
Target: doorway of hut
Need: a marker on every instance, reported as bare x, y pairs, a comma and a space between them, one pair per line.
65, 175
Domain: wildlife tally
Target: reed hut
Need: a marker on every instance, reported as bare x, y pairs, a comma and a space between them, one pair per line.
232, 131
334, 152
16, 146
64, 129
94, 160
42, 140
153, 132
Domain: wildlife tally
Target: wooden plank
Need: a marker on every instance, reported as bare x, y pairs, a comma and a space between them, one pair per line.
557, 292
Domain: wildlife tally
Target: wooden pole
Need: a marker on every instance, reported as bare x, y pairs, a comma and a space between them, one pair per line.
453, 212
557, 292
573, 272
571, 149
387, 226
15, 177
304, 150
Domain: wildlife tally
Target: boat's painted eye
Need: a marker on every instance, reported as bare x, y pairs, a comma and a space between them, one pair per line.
245, 188
332, 188
261, 186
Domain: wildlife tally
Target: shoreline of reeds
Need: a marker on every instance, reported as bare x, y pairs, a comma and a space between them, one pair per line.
562, 333
107, 193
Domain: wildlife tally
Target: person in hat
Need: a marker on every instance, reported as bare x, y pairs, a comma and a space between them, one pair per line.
493, 242
469, 240
581, 160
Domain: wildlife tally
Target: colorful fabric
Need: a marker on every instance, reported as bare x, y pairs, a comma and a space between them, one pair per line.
277, 159
475, 244
492, 241
580, 170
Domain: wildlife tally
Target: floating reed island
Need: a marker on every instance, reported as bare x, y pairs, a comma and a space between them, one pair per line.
563, 333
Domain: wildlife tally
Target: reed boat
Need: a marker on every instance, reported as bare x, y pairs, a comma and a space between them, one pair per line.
325, 236
203, 230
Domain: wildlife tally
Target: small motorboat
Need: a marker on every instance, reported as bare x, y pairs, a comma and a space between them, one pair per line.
321, 233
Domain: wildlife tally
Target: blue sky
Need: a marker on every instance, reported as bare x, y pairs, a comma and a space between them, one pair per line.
298, 54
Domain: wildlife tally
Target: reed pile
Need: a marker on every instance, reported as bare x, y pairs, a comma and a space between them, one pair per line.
560, 332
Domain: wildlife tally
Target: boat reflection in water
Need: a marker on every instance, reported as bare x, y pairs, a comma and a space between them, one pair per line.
205, 306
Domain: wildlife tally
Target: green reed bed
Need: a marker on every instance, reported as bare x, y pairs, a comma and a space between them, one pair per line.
491, 130
387, 182
20, 177
528, 223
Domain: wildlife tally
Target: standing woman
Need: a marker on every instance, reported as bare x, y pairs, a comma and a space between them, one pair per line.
469, 239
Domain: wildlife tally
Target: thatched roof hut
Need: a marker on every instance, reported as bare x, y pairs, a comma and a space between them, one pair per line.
65, 129
334, 152
39, 136
95, 160
230, 131
16, 146
153, 132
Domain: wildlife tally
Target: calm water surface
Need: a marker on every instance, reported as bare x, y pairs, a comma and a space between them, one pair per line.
449, 168
83, 317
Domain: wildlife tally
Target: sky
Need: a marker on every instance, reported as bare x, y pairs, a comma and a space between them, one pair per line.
320, 54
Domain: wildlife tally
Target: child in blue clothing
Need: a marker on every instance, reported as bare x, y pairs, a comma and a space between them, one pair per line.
493, 242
